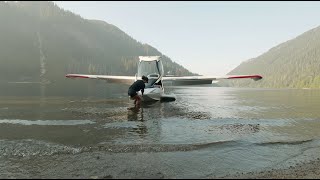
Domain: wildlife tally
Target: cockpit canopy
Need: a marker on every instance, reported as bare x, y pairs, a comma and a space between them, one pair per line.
150, 66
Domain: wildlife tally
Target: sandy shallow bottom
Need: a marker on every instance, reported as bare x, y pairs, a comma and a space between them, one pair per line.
101, 165
305, 170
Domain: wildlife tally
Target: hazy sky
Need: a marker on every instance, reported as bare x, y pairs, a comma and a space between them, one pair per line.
209, 38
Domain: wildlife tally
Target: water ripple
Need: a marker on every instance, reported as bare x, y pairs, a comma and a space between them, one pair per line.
47, 122
284, 142
27, 148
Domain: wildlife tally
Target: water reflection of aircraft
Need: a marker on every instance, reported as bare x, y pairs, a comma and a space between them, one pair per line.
151, 66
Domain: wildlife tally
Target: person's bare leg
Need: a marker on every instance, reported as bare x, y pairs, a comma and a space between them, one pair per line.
138, 102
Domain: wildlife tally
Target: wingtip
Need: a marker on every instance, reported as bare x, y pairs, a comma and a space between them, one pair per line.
257, 78
75, 76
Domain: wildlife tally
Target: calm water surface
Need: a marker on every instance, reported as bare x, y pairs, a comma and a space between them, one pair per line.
207, 132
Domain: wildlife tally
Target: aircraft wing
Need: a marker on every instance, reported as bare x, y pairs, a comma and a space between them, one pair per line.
207, 79
110, 79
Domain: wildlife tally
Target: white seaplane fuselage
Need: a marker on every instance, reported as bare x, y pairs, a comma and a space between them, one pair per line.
151, 66
152, 94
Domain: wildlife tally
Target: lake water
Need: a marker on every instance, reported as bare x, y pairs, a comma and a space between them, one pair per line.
207, 132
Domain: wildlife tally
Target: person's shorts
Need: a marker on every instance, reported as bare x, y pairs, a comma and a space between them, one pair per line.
132, 93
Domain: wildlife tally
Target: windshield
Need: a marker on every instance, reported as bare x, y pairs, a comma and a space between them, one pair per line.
151, 69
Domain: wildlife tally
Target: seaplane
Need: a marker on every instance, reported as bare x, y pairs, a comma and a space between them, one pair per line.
151, 66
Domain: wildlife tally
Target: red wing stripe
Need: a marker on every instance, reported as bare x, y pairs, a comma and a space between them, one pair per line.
76, 76
252, 76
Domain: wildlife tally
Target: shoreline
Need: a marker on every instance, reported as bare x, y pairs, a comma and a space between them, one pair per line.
101, 165
302, 170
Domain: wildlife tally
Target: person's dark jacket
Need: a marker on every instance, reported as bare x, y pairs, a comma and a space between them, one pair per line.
137, 86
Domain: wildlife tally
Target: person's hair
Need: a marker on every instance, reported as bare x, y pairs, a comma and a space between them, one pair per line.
145, 78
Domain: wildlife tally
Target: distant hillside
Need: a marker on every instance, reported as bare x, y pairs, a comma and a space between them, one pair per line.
40, 42
292, 64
